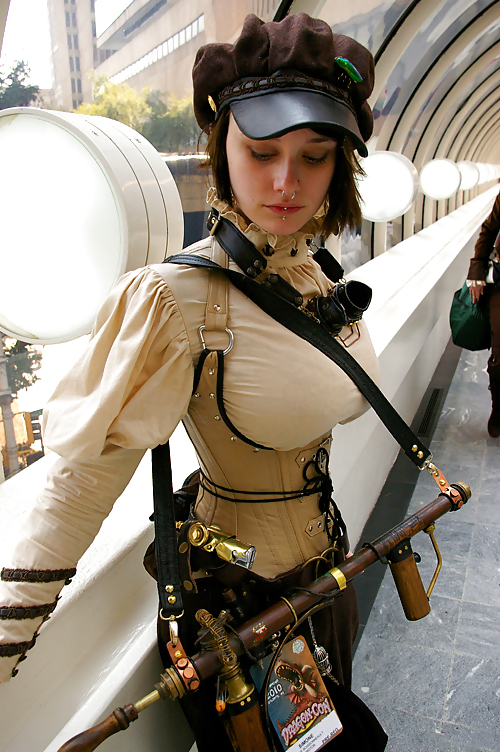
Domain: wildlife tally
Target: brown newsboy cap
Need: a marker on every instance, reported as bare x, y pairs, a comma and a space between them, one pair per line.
281, 76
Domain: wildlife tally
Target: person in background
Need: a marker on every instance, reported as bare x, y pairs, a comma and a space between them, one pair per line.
483, 280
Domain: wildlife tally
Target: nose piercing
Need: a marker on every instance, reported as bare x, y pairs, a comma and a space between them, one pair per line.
291, 197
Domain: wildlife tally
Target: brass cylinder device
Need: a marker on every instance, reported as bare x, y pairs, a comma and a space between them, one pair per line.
226, 546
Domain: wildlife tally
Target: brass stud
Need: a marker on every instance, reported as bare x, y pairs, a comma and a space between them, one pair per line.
311, 528
211, 371
234, 438
256, 449
169, 588
420, 455
442, 482
217, 308
414, 448
183, 548
212, 396
319, 524
217, 417
196, 394
178, 654
302, 459
172, 599
212, 104
188, 585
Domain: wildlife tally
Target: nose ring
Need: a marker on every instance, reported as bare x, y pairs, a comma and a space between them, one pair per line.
291, 197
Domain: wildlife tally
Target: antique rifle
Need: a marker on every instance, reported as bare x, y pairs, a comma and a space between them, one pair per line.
219, 655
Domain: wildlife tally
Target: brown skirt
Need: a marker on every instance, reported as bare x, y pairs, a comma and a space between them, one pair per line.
335, 628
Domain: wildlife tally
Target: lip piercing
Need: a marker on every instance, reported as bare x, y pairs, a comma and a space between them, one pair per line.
284, 199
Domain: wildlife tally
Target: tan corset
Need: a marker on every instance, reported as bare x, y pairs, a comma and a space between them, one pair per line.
286, 532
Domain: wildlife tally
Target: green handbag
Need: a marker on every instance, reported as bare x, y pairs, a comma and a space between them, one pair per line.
470, 322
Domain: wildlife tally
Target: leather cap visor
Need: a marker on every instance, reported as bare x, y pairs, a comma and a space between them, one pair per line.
276, 113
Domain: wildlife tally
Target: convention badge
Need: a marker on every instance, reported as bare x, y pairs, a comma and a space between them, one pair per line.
300, 708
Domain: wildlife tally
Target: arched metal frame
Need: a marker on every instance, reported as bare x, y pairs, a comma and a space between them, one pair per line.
443, 108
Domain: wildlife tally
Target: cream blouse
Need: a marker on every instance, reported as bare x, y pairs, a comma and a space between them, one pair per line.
133, 385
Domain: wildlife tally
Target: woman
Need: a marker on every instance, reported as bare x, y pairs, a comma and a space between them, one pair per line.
476, 280
284, 109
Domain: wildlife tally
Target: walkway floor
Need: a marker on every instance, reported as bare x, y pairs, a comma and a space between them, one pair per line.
434, 684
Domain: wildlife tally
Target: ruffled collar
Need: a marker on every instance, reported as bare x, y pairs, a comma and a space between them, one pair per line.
288, 250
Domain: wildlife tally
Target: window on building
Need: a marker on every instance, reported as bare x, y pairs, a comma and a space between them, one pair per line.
67, 19
69, 42
182, 36
79, 85
93, 28
73, 19
74, 104
77, 63
176, 41
75, 41
71, 65
73, 86
92, 6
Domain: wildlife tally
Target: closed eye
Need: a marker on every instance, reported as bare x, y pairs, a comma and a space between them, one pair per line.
259, 156
317, 160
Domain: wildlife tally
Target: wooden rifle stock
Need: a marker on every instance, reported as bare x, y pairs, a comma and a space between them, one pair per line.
282, 614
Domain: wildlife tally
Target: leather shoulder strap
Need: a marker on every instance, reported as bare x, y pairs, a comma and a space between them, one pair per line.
292, 318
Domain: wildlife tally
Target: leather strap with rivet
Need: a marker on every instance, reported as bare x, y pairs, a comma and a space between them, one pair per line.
169, 582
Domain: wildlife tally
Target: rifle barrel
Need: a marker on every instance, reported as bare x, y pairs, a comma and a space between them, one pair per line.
279, 615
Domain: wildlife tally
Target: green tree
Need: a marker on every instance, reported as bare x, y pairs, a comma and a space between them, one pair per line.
14, 91
171, 127
118, 102
23, 361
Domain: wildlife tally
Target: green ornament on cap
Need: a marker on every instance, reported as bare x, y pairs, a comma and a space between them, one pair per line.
349, 68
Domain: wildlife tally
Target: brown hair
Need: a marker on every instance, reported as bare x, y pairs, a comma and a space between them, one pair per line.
343, 199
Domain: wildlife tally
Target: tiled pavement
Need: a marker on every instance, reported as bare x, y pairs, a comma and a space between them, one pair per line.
435, 684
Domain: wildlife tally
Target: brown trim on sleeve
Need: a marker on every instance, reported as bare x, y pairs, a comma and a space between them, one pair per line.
26, 612
37, 575
16, 648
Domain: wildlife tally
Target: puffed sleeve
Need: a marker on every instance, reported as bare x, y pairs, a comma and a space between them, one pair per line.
128, 391
133, 384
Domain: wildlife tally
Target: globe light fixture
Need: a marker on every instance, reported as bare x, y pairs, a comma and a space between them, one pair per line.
389, 188
470, 175
84, 199
440, 178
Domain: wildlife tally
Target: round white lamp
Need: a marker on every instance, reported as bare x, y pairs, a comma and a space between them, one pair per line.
84, 199
470, 175
389, 188
440, 178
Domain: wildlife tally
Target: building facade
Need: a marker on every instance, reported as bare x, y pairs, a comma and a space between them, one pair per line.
74, 51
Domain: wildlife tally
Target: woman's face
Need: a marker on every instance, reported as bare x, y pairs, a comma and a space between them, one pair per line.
300, 162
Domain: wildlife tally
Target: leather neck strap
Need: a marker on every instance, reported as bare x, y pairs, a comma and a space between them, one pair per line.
254, 265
